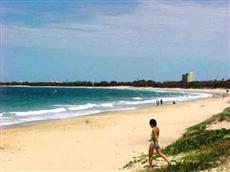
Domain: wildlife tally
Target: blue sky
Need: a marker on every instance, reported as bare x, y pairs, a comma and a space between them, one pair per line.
120, 40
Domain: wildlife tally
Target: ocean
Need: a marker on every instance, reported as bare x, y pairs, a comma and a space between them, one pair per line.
19, 105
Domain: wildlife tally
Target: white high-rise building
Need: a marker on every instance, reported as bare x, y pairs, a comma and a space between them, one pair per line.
188, 77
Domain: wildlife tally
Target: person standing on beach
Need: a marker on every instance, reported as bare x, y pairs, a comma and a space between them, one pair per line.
161, 101
154, 143
157, 102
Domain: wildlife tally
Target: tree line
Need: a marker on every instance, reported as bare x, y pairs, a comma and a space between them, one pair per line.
138, 83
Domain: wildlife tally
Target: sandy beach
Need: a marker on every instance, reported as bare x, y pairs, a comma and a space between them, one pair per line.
102, 142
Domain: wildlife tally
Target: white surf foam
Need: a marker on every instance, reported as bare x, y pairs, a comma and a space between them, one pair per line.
89, 106
8, 122
137, 98
40, 112
107, 105
66, 111
81, 107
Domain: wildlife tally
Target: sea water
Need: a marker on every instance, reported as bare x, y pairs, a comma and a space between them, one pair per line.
30, 104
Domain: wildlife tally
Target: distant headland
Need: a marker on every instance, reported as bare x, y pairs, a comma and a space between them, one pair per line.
138, 83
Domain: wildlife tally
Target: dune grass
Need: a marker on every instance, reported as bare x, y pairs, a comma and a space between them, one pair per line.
198, 149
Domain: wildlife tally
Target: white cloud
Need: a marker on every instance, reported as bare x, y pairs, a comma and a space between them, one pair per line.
152, 28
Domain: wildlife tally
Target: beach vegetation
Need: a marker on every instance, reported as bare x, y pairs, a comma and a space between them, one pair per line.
87, 121
137, 83
200, 148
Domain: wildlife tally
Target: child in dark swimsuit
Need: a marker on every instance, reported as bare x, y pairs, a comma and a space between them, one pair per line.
154, 142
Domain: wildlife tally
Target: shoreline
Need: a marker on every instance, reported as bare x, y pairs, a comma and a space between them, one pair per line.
18, 125
210, 94
217, 90
102, 142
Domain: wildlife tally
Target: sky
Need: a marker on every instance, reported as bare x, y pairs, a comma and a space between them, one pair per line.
122, 40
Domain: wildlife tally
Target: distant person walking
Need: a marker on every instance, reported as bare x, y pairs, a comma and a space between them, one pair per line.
154, 143
161, 101
157, 102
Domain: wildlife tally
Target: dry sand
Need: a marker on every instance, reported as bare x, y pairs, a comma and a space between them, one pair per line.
100, 142
219, 125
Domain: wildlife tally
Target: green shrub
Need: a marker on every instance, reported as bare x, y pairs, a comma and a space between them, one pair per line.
201, 148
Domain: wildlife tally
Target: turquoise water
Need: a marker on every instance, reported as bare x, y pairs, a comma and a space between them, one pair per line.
27, 104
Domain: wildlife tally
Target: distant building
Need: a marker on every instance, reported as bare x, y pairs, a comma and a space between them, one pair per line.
188, 77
